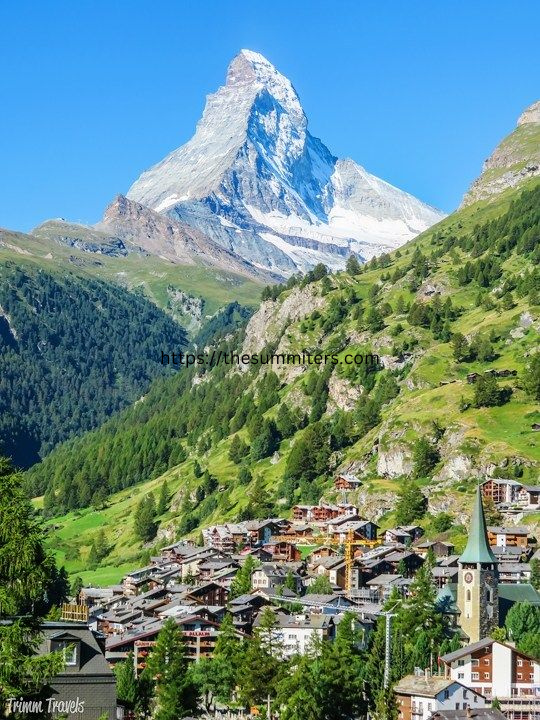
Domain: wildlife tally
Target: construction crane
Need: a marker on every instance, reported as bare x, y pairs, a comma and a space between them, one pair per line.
350, 545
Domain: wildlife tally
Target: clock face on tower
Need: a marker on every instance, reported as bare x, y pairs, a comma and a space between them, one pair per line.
468, 577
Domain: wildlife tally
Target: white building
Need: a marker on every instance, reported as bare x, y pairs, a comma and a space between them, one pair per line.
498, 670
419, 696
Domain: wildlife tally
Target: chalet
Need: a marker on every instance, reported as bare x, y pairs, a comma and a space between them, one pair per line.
301, 513
340, 528
323, 551
405, 559
87, 678
208, 569
508, 536
211, 593
516, 573
347, 481
200, 636
262, 531
497, 670
438, 547
443, 575
333, 568
405, 535
419, 696
322, 513
271, 577
226, 538
283, 551
511, 492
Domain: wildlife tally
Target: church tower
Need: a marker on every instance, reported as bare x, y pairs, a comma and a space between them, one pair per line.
477, 596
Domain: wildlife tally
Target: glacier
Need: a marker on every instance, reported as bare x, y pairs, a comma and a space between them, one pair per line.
256, 182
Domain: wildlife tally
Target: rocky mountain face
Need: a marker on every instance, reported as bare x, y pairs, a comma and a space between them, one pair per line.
129, 227
514, 161
256, 182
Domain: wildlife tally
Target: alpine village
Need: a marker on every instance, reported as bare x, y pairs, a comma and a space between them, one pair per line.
293, 537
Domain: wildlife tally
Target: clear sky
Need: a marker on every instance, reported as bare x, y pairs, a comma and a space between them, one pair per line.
94, 92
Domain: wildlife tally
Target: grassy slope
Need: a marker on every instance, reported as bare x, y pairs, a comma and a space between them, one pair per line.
500, 431
151, 275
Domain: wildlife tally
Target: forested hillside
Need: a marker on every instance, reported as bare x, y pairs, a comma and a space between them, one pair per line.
454, 317
73, 351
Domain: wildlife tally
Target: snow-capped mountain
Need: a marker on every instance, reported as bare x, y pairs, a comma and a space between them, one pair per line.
258, 183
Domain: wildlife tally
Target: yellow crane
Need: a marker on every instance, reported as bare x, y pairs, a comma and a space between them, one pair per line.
350, 545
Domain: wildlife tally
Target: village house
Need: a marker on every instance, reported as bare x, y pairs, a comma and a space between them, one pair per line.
346, 481
438, 547
419, 696
299, 632
497, 670
270, 577
404, 534
283, 551
87, 677
508, 536
512, 492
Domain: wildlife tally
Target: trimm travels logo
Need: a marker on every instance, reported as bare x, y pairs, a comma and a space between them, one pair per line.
49, 705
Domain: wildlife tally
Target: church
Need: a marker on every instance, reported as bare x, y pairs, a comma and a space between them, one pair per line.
479, 602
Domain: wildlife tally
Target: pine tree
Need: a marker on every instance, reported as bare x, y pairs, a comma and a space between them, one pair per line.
411, 504
241, 584
101, 545
76, 587
175, 693
238, 450
163, 501
145, 515
126, 681
262, 666
425, 457
27, 572
352, 265
93, 559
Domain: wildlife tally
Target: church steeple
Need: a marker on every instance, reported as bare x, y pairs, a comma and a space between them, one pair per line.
477, 591
478, 550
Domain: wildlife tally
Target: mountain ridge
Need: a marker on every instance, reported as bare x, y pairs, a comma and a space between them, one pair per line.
256, 181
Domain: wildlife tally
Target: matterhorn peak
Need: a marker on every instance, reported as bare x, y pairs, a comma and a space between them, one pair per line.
255, 181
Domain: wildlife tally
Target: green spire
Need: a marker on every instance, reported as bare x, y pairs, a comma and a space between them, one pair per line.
478, 550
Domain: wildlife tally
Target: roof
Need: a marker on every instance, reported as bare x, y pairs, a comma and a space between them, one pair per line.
485, 713
478, 550
467, 650
485, 642
92, 660
429, 686
515, 530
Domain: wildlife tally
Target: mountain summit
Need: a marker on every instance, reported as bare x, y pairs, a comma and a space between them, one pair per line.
258, 183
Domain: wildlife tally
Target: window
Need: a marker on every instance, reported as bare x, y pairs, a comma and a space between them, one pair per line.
464, 694
69, 651
475, 662
461, 663
531, 676
486, 661
446, 694
486, 676
460, 676
520, 662
475, 676
519, 676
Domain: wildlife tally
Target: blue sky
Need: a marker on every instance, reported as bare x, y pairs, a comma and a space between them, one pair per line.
92, 93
